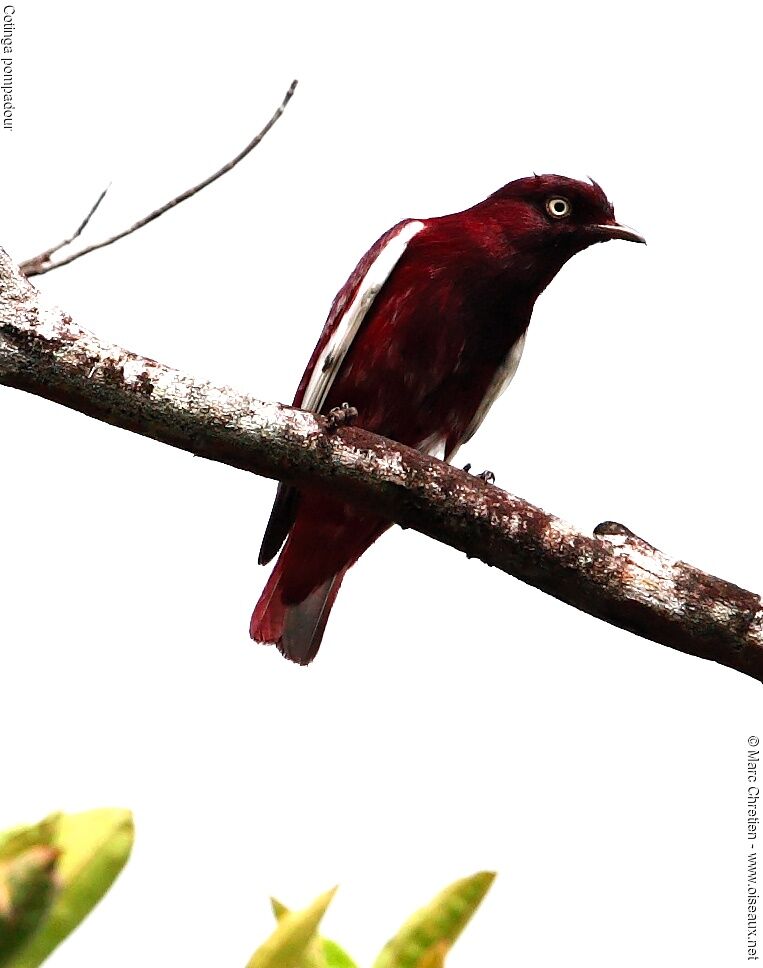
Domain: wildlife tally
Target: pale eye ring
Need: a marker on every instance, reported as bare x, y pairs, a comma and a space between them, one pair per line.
558, 207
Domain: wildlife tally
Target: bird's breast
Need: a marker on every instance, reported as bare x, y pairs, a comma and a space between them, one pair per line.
435, 350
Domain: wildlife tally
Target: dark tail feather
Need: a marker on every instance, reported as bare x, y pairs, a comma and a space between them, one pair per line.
295, 628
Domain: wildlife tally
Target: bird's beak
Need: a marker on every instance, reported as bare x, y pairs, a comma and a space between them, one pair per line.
614, 230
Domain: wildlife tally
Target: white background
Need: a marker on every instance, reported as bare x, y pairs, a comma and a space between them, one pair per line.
455, 719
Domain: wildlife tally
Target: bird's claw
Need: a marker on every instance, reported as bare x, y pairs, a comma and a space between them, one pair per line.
342, 416
487, 476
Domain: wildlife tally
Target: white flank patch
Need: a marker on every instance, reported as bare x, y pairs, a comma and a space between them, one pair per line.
503, 377
328, 363
433, 446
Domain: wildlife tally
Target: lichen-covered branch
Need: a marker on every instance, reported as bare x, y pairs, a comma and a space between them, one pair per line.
612, 574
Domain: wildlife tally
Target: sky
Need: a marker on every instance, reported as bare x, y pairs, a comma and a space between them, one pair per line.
455, 719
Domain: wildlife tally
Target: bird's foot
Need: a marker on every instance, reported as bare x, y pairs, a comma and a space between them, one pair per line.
342, 416
487, 476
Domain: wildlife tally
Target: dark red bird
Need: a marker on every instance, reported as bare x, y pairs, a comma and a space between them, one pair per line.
423, 337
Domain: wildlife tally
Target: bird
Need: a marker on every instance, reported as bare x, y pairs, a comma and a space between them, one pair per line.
421, 340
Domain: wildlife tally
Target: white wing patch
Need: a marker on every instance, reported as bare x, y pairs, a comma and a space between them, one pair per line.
503, 377
333, 354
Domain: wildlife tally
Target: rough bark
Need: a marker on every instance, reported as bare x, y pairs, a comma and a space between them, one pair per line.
613, 574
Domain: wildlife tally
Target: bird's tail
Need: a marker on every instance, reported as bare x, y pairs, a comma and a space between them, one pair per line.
296, 628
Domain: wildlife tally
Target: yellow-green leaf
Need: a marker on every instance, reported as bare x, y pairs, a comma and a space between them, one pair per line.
93, 848
289, 943
279, 910
321, 952
431, 931
17, 839
312, 956
434, 957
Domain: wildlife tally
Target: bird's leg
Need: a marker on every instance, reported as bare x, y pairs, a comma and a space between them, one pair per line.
487, 476
342, 416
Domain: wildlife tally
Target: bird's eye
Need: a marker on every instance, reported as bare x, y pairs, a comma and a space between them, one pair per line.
558, 207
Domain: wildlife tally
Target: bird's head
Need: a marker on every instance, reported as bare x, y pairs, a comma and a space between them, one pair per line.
533, 226
558, 212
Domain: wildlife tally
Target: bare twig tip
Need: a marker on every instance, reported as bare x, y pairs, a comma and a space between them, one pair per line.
43, 262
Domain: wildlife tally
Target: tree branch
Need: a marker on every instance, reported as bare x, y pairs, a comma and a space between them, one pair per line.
42, 263
612, 575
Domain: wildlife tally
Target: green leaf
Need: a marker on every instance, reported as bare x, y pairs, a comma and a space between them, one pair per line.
425, 938
335, 956
290, 943
93, 847
27, 888
320, 953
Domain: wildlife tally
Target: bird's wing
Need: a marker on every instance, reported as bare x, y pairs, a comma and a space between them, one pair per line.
347, 313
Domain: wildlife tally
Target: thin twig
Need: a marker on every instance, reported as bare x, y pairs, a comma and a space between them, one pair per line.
35, 265
43, 263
